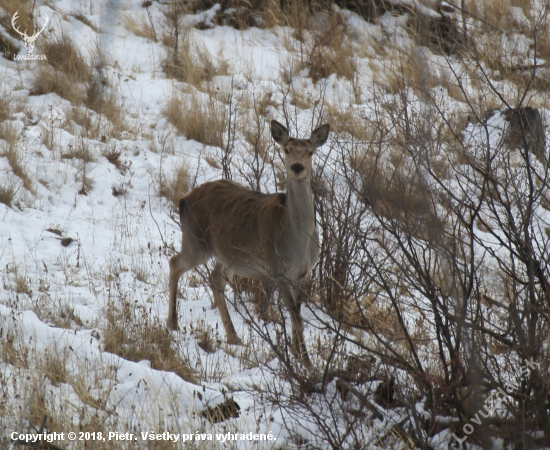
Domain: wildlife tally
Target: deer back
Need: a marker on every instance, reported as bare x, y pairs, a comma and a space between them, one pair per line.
234, 224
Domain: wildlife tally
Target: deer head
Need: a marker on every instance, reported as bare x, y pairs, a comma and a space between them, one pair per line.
29, 40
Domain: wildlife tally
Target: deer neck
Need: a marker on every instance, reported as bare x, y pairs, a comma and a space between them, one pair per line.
299, 207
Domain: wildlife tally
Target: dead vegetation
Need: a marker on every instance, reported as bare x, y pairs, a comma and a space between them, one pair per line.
5, 108
349, 122
328, 48
104, 100
387, 186
7, 47
65, 72
131, 333
68, 74
197, 118
63, 55
187, 58
8, 41
8, 191
175, 183
140, 26
13, 152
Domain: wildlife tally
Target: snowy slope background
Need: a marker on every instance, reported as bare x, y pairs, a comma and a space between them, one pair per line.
86, 235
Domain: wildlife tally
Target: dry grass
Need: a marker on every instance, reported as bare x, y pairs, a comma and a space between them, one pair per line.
331, 51
5, 106
300, 99
133, 334
191, 62
13, 351
65, 56
80, 151
261, 295
173, 187
140, 26
13, 153
187, 58
49, 80
7, 47
104, 100
322, 46
391, 187
65, 71
405, 71
53, 365
19, 283
82, 177
25, 20
498, 12
114, 156
350, 122
194, 118
62, 317
82, 18
205, 341
8, 191
82, 117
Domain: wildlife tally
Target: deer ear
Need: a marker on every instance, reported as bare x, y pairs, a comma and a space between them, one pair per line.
279, 132
319, 135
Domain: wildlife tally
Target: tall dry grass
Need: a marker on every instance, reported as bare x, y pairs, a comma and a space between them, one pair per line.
203, 120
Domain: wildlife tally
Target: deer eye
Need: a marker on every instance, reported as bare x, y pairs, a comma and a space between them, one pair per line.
310, 153
286, 151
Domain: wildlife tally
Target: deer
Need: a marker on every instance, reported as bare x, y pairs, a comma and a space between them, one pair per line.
29, 40
254, 235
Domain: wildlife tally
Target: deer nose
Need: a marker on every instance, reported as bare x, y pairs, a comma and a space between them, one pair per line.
297, 168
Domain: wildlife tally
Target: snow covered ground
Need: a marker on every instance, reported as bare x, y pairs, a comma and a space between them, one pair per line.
85, 242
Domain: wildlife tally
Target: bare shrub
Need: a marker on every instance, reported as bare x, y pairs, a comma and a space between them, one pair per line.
434, 250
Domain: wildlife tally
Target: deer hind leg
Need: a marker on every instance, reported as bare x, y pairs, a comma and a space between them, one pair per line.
189, 258
218, 282
293, 301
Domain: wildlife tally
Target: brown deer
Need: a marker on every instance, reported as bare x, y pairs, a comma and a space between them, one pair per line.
254, 235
